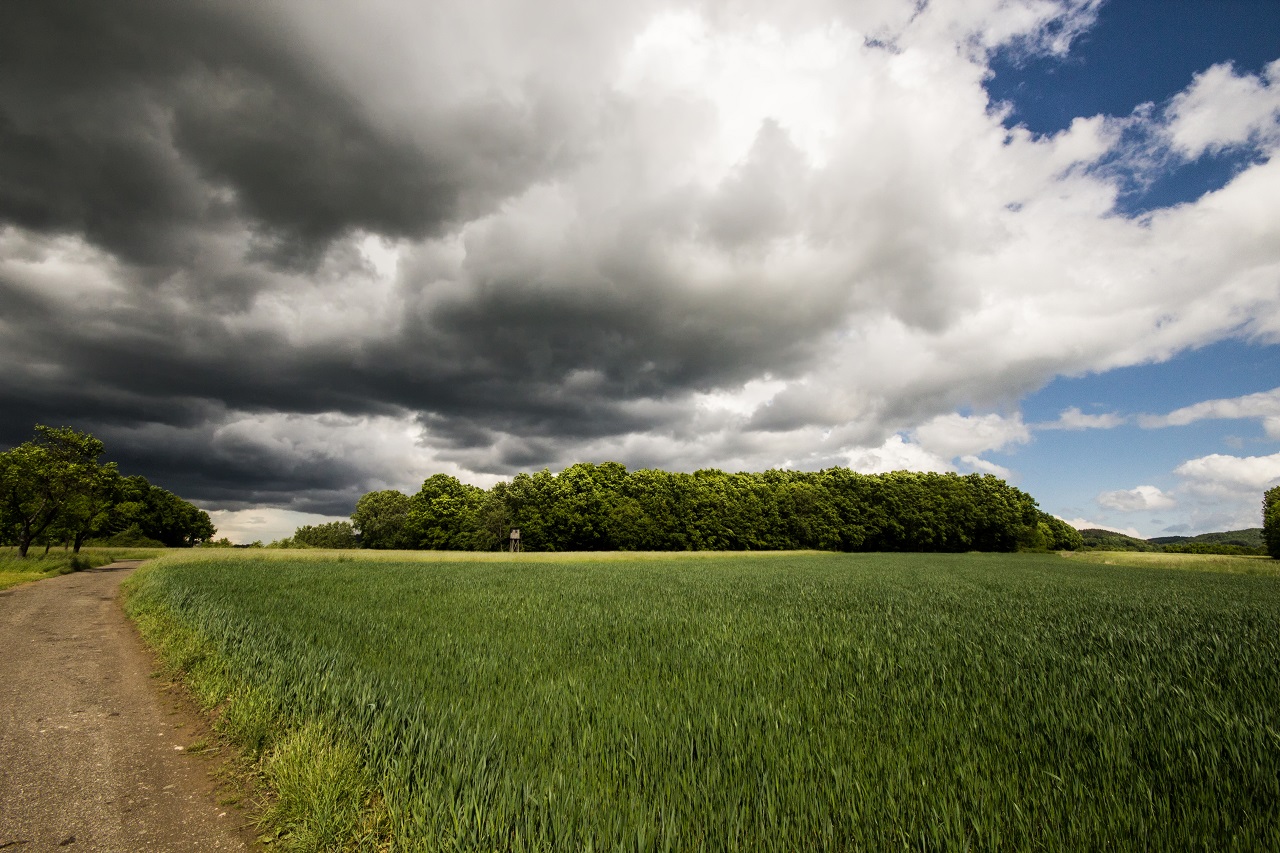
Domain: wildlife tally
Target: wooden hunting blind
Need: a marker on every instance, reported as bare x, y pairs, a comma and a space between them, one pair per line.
515, 539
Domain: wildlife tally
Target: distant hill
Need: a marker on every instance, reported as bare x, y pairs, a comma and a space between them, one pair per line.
1247, 541
1097, 539
1250, 537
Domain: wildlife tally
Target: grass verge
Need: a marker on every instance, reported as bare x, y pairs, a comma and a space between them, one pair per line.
38, 565
307, 790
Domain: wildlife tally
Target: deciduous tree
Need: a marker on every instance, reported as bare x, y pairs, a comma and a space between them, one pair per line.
1271, 521
381, 518
40, 479
335, 534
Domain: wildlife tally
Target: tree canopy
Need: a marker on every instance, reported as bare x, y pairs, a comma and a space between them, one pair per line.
381, 519
599, 507
334, 535
45, 480
53, 489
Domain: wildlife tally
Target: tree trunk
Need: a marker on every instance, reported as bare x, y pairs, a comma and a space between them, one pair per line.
24, 539
79, 540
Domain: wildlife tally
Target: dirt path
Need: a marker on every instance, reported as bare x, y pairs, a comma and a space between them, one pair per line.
92, 750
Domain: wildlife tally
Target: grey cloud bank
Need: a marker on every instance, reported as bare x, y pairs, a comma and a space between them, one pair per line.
275, 256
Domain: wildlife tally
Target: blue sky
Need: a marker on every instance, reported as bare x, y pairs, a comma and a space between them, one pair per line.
1143, 51
277, 256
1068, 469
1135, 52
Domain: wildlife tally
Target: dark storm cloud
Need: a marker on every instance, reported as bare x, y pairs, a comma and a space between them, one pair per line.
146, 128
155, 130
131, 121
218, 160
236, 473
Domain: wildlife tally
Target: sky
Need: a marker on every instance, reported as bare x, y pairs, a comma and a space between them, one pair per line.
277, 254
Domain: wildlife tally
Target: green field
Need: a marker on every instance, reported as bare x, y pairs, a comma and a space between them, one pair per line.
762, 702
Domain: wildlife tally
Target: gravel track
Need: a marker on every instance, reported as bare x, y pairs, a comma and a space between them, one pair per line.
92, 748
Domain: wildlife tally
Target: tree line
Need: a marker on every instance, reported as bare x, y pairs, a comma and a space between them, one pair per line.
53, 490
604, 507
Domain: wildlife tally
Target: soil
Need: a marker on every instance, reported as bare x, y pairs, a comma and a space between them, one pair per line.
95, 751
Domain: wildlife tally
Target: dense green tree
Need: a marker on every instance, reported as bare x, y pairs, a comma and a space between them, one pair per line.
604, 507
494, 519
53, 489
1099, 539
528, 499
654, 508
174, 521
334, 535
41, 479
158, 515
578, 517
89, 513
448, 515
1060, 536
130, 537
382, 520
1271, 521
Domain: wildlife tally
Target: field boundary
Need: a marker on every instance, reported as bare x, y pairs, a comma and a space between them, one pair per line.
297, 782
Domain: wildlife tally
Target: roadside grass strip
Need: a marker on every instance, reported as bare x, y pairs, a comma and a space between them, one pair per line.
37, 565
780, 702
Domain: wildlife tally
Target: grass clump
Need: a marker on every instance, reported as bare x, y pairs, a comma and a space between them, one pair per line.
320, 794
862, 701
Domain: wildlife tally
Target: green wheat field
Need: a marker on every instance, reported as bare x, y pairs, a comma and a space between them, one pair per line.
738, 702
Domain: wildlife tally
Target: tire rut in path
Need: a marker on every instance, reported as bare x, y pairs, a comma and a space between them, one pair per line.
92, 752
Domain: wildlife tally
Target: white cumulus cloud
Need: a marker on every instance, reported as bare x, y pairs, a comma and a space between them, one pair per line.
1073, 419
1264, 406
1080, 523
296, 253
1224, 492
955, 435
1221, 109
1218, 473
896, 454
1136, 499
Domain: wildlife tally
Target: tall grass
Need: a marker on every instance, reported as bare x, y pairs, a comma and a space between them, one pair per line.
751, 703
